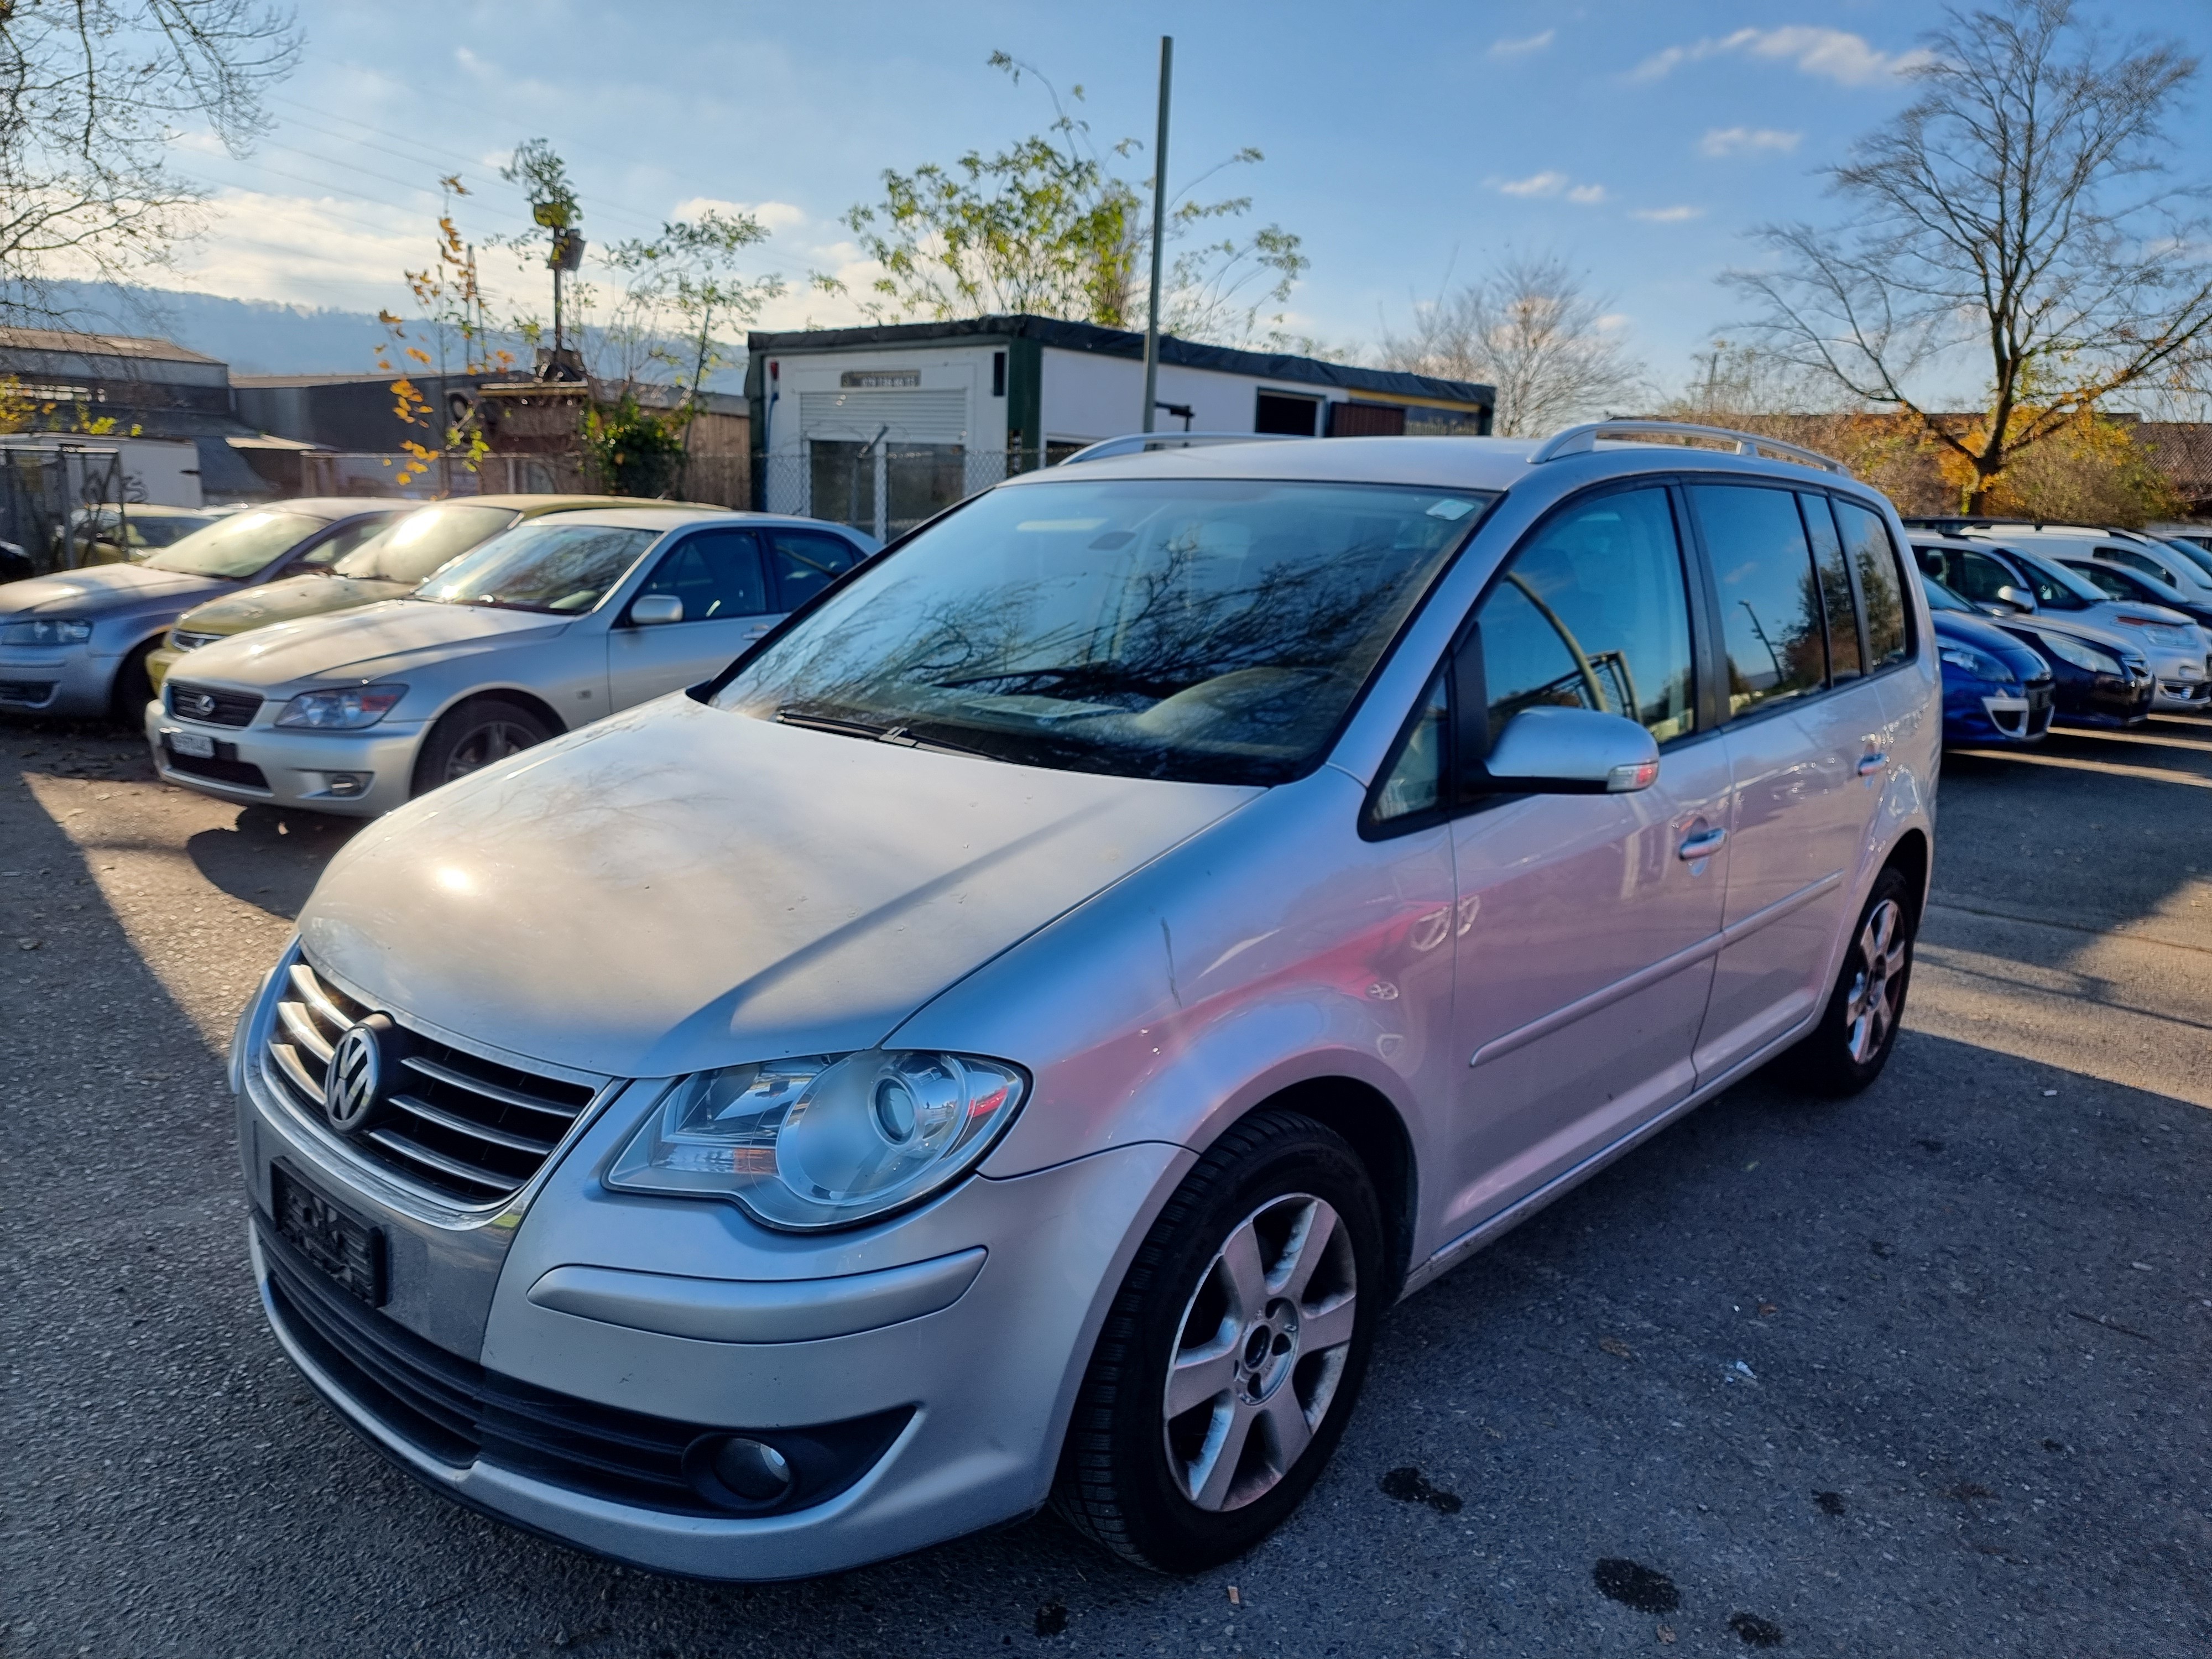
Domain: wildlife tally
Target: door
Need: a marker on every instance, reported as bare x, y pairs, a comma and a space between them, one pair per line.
1808, 750
717, 575
1586, 924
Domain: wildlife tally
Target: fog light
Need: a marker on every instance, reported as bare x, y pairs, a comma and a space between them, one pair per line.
734, 1472
345, 785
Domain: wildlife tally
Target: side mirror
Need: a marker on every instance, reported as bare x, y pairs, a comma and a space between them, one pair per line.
1572, 751
651, 609
2018, 598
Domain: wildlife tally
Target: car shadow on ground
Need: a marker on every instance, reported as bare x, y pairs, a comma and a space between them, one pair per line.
271, 859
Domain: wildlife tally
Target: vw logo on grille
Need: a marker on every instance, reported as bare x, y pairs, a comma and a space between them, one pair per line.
195, 702
353, 1083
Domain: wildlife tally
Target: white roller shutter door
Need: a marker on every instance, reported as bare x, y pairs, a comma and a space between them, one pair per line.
914, 417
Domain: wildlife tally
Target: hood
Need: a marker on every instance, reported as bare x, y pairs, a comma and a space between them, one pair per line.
2113, 636
365, 643
288, 601
1988, 637
680, 887
103, 587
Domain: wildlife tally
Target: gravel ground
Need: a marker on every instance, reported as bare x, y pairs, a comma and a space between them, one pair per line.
1922, 1373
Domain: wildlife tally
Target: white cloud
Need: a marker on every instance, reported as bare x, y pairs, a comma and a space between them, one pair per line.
1587, 195
1613, 322
1834, 54
1522, 48
1667, 215
1747, 141
773, 215
1536, 184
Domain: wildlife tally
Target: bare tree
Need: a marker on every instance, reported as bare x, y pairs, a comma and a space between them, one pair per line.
1531, 329
2016, 213
91, 95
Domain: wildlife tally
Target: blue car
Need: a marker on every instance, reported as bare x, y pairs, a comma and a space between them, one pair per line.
1995, 690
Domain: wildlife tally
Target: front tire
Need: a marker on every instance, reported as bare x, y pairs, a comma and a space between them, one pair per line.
1233, 1353
1848, 1048
134, 689
472, 737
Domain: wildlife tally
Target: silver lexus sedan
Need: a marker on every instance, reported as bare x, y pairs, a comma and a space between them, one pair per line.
1010, 1037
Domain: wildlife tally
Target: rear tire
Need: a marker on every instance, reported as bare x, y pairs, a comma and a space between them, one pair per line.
1234, 1352
472, 737
1858, 1031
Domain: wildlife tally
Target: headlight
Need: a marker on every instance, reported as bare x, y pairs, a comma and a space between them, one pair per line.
181, 640
2081, 655
826, 1140
46, 630
1979, 663
341, 711
2167, 639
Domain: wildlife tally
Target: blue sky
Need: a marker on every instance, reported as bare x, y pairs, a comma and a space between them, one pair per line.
1405, 143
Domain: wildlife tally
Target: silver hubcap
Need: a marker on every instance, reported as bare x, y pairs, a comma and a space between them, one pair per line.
1880, 982
1259, 1352
493, 741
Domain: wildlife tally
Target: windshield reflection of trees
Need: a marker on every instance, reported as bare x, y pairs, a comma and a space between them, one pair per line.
1191, 663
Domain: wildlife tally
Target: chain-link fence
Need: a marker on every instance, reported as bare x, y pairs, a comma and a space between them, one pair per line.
887, 490
61, 504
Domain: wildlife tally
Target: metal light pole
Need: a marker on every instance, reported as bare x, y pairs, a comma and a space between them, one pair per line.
1159, 235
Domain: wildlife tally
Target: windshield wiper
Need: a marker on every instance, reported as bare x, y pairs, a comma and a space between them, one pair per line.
892, 734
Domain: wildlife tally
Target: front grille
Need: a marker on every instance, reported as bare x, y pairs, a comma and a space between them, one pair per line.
2041, 702
469, 1130
455, 1411
29, 694
244, 773
210, 707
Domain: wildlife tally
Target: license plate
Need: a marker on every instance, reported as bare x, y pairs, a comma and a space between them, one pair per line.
192, 743
343, 1245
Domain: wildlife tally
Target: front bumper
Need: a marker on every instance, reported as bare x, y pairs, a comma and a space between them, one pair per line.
270, 765
976, 1394
74, 681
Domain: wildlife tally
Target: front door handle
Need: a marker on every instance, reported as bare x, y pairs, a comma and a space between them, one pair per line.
1703, 845
1872, 762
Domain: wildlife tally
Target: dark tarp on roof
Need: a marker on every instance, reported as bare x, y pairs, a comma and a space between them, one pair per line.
1124, 343
223, 472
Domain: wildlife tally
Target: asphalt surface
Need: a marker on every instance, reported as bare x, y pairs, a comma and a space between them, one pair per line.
1921, 1373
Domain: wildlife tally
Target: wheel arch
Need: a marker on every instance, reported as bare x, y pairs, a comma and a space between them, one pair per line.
1910, 856
513, 694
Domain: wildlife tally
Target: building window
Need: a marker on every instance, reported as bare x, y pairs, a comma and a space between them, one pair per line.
998, 374
1286, 414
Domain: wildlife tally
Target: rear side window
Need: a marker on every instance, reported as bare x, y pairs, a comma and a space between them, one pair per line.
1592, 613
1770, 621
1881, 591
1844, 662
717, 574
803, 563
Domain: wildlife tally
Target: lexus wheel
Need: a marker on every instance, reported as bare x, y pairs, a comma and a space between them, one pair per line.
475, 735
1852, 1042
1233, 1353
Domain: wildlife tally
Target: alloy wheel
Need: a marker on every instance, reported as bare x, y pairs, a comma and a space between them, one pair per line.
1871, 1009
1260, 1352
493, 740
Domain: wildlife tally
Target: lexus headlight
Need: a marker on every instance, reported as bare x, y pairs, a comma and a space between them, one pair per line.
2081, 655
826, 1140
47, 630
1979, 663
349, 710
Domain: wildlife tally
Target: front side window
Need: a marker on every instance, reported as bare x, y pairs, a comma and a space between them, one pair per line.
244, 544
1881, 587
802, 562
716, 572
1212, 630
564, 568
1771, 621
417, 545
1591, 613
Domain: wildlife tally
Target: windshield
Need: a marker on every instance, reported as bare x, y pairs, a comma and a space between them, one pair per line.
2055, 588
242, 545
1941, 598
418, 544
165, 530
562, 568
1207, 630
2199, 557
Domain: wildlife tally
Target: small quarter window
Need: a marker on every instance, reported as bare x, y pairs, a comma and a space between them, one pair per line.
1875, 559
1415, 781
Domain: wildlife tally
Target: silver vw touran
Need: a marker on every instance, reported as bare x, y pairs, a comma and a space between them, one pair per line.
1009, 1037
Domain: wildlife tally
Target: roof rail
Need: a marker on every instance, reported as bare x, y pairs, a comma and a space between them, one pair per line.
1582, 440
1135, 443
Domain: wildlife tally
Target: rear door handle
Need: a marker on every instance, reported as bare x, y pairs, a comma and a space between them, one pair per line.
1871, 764
1703, 845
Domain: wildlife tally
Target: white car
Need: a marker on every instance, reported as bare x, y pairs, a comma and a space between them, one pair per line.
541, 629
